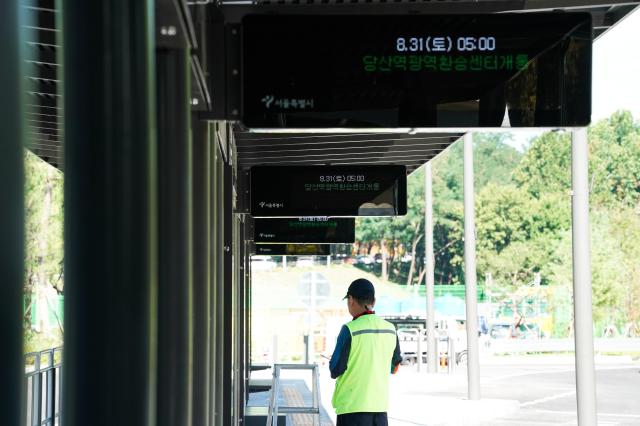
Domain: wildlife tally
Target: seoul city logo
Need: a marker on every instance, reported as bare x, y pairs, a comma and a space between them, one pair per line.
268, 100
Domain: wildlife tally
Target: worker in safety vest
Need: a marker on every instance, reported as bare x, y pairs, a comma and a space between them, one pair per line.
366, 352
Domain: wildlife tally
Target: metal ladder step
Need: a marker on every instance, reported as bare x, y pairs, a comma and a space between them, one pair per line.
274, 409
298, 410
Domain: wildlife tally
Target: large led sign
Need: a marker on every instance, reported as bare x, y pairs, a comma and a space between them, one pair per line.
494, 70
347, 191
293, 249
319, 230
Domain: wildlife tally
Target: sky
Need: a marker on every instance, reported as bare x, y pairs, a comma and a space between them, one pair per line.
616, 69
616, 74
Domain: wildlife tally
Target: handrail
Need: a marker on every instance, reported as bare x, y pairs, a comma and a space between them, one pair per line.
43, 382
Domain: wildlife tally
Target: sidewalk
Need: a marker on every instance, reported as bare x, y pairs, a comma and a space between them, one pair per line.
416, 399
440, 399
514, 390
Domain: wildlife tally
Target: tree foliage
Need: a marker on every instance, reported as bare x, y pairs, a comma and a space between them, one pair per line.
523, 219
43, 238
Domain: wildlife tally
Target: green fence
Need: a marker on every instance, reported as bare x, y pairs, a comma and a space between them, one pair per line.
51, 313
458, 291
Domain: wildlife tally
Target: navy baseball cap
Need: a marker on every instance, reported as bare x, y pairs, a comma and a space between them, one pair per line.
361, 289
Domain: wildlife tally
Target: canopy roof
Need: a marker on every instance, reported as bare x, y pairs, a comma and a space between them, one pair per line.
43, 73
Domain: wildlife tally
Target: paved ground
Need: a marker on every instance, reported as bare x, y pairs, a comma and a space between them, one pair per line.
547, 393
517, 390
544, 388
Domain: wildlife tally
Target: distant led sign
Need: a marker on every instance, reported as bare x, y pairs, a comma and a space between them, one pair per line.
321, 230
518, 70
347, 191
293, 249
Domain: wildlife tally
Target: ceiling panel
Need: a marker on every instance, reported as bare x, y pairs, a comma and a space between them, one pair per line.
340, 148
41, 82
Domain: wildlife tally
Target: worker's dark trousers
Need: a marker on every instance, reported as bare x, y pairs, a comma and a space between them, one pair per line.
362, 419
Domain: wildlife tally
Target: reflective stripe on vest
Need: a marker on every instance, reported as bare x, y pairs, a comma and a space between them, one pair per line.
364, 386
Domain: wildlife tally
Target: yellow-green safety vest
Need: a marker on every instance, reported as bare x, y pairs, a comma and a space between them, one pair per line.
364, 386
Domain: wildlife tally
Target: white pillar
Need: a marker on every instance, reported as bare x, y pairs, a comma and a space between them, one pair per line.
432, 356
312, 315
419, 350
473, 361
583, 319
274, 350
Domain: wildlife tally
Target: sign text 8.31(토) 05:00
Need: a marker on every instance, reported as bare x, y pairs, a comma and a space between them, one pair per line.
434, 44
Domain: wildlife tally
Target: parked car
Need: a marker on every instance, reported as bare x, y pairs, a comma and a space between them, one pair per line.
262, 263
500, 330
446, 328
304, 261
364, 260
508, 330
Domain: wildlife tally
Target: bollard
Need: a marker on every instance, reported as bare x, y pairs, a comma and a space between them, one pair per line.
435, 357
443, 355
306, 349
419, 352
452, 356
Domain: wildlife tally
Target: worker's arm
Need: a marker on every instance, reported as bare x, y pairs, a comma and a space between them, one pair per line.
338, 363
397, 357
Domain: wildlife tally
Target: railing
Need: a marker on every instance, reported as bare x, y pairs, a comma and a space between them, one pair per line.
562, 345
43, 383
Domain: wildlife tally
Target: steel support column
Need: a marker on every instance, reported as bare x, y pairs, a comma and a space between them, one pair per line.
471, 293
219, 291
214, 256
175, 281
241, 366
11, 213
229, 232
432, 356
110, 230
583, 318
201, 271
247, 317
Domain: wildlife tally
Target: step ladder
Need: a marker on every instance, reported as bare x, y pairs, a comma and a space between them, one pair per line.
274, 409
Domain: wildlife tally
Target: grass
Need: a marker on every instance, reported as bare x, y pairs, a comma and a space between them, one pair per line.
36, 342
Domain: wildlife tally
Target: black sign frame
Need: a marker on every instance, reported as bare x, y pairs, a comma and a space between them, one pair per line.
316, 75
305, 230
293, 249
333, 191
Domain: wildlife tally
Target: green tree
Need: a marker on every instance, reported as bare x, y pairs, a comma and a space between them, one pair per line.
517, 233
523, 220
494, 161
614, 146
608, 275
43, 237
614, 162
546, 167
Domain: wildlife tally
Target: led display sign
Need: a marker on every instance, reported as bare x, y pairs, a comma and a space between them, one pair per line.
347, 191
493, 70
320, 230
293, 249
